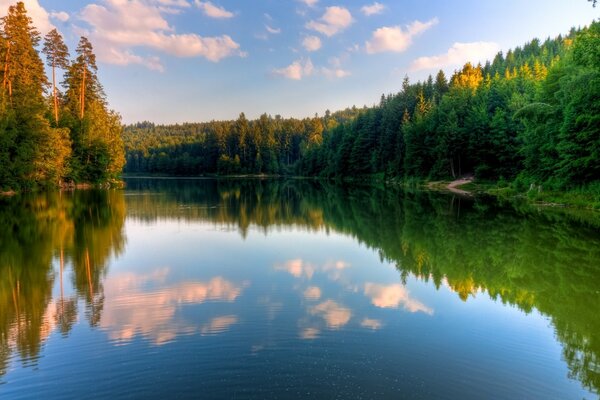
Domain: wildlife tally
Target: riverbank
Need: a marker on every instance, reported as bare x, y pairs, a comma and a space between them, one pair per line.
588, 199
466, 186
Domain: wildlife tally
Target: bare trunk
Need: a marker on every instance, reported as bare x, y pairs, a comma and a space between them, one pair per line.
82, 102
55, 100
6, 60
452, 167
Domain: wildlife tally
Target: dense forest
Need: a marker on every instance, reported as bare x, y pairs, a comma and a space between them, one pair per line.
530, 116
50, 138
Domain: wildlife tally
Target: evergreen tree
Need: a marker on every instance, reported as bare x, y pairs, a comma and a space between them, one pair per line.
57, 56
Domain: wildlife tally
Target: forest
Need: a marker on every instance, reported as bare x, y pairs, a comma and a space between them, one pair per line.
527, 117
48, 137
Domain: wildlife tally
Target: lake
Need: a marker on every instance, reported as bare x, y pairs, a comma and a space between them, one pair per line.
294, 289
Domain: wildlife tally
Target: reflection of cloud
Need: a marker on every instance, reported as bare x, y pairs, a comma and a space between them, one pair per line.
334, 315
336, 265
297, 268
219, 325
300, 268
309, 333
393, 296
371, 323
312, 293
129, 311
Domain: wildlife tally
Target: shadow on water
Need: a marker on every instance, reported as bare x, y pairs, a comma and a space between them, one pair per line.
543, 261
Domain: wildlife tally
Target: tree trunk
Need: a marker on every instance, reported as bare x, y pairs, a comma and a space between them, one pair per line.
54, 94
6, 60
82, 102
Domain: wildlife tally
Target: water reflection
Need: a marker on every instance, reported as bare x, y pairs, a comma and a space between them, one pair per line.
83, 230
546, 261
542, 261
134, 310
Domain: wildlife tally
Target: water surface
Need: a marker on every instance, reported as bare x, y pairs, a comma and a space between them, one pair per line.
289, 289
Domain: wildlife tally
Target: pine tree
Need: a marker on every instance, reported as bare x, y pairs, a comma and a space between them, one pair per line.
57, 56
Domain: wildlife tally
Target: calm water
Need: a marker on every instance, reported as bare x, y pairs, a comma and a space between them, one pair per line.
293, 289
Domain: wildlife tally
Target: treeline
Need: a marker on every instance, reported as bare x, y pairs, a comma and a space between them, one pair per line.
271, 145
530, 116
50, 138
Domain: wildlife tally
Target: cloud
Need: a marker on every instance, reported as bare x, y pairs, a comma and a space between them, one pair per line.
130, 311
39, 15
116, 27
310, 3
273, 31
309, 333
213, 11
124, 57
335, 315
394, 296
311, 43
296, 71
335, 20
395, 39
375, 8
371, 323
335, 72
297, 267
60, 16
458, 54
219, 325
173, 3
312, 293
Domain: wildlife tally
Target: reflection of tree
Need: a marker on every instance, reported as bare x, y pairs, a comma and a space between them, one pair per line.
66, 309
547, 262
99, 217
34, 230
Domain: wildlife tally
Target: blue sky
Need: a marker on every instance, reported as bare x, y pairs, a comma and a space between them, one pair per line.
194, 60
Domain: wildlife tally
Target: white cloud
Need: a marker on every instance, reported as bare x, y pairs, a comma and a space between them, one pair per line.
335, 72
273, 31
311, 43
297, 267
116, 27
393, 296
213, 11
334, 314
310, 3
173, 3
218, 325
375, 8
125, 57
39, 15
370, 323
131, 311
60, 16
395, 39
458, 54
312, 293
335, 20
296, 71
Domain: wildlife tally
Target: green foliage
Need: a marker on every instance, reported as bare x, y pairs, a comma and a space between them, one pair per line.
84, 143
530, 116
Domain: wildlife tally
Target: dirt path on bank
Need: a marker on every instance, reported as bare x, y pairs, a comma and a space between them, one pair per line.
454, 186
